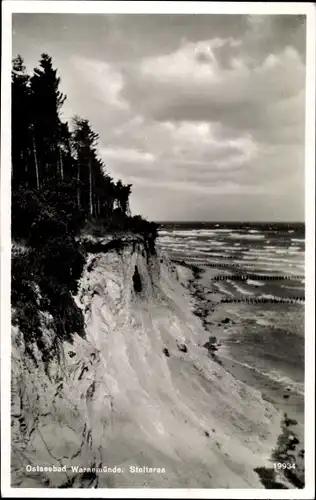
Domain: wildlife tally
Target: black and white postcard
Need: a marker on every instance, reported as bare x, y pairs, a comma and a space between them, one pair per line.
157, 236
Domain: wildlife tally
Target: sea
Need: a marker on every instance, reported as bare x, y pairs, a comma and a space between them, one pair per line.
241, 262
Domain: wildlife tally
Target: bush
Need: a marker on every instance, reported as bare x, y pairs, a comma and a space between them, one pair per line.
50, 211
120, 222
47, 220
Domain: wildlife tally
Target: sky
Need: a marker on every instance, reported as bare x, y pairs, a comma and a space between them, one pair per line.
203, 114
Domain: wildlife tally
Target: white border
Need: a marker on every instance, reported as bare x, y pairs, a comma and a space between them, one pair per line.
157, 7
91, 7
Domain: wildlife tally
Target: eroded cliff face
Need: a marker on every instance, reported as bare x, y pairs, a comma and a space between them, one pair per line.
114, 398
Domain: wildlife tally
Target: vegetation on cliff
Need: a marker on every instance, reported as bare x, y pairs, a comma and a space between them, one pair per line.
60, 188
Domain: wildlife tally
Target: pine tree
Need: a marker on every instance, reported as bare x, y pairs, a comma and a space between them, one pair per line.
64, 147
122, 193
46, 101
22, 171
85, 142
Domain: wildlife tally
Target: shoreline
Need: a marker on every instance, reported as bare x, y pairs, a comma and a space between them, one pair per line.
288, 402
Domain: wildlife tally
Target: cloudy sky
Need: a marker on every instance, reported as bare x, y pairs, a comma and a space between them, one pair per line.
203, 114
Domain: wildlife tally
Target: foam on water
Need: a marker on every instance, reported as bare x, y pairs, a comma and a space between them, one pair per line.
217, 243
222, 289
269, 296
186, 233
255, 283
297, 387
240, 236
239, 289
263, 322
251, 250
292, 287
292, 250
286, 381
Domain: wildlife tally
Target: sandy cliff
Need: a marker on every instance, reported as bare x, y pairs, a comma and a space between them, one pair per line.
128, 395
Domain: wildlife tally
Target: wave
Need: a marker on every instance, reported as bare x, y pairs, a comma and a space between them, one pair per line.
273, 375
217, 243
274, 297
292, 287
233, 248
194, 232
163, 232
175, 233
267, 260
289, 251
174, 242
263, 322
255, 283
222, 289
286, 381
299, 240
240, 236
261, 263
239, 288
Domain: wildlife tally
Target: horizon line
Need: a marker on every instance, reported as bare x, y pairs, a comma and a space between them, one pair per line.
232, 221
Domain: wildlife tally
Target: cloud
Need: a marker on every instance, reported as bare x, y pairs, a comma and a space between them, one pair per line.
197, 61
204, 115
238, 96
184, 155
125, 154
103, 80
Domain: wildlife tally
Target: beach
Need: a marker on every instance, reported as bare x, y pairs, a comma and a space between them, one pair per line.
261, 344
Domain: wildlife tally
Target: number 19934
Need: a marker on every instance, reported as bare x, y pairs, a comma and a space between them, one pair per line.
284, 465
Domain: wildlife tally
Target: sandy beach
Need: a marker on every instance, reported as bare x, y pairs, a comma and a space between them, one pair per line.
223, 322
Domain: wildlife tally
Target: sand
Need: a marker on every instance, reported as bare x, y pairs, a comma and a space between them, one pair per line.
284, 399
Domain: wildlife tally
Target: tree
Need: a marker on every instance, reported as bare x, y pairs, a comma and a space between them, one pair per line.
122, 193
125, 194
46, 102
22, 171
85, 143
56, 163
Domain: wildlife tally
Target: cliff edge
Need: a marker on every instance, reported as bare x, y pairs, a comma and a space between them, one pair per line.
138, 389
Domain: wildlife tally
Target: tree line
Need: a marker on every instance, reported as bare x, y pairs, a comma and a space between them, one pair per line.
60, 187
45, 152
